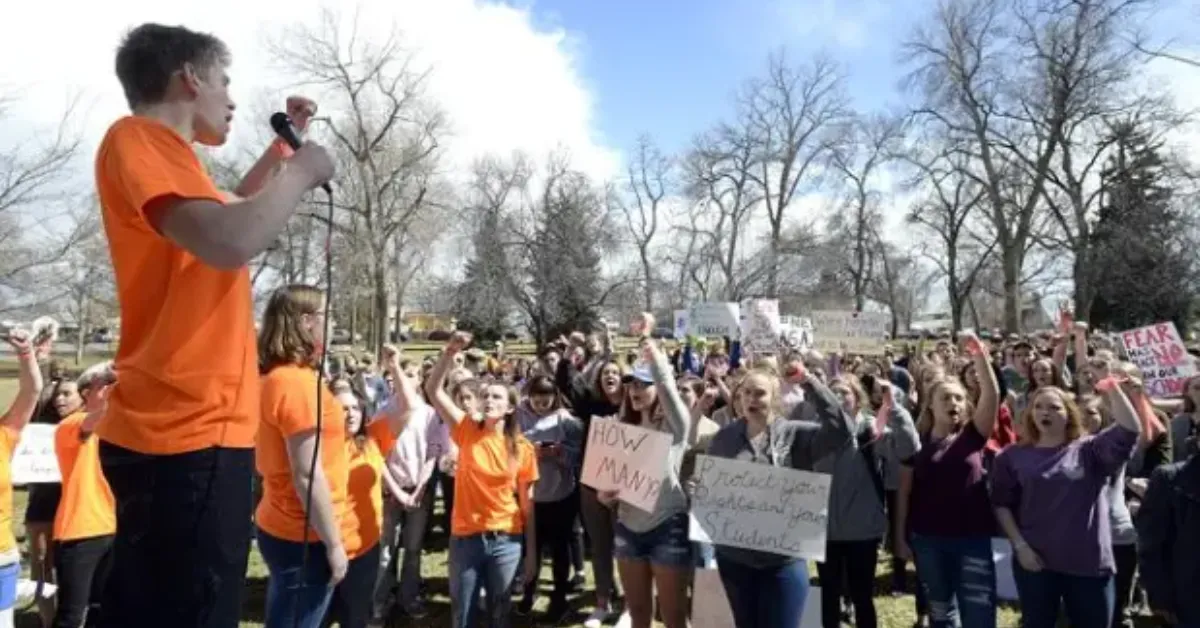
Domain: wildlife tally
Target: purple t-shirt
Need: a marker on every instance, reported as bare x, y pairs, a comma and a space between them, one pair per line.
1058, 497
949, 473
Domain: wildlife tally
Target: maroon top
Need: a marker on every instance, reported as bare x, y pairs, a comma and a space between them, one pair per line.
949, 490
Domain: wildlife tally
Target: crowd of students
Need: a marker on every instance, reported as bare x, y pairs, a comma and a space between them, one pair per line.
1065, 455
1056, 447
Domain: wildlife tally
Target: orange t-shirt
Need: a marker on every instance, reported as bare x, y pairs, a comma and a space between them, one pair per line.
289, 407
8, 444
87, 508
187, 354
485, 485
364, 489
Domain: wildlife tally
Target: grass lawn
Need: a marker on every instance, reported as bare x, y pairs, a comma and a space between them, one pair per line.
893, 611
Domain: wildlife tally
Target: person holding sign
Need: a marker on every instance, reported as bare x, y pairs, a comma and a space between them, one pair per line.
493, 497
29, 381
953, 555
769, 590
653, 550
1050, 500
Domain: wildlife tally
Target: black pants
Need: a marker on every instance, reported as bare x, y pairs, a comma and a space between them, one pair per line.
555, 522
183, 537
82, 566
1125, 557
850, 564
351, 605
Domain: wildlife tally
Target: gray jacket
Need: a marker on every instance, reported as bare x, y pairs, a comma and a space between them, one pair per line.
672, 499
817, 427
557, 477
856, 511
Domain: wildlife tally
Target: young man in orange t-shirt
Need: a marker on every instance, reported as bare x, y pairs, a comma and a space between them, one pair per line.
177, 440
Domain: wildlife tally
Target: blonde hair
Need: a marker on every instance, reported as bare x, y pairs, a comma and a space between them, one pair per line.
1029, 430
925, 420
284, 340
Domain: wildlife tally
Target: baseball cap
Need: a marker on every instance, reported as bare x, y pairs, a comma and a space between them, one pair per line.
640, 373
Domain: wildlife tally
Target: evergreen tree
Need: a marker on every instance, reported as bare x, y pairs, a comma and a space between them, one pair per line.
481, 304
1143, 239
565, 269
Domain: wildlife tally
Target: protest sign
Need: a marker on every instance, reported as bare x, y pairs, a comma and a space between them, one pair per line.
1159, 352
628, 459
710, 605
714, 319
759, 507
863, 333
34, 460
760, 326
681, 324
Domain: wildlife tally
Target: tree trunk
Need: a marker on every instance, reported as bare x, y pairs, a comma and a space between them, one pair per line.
1084, 291
380, 293
81, 339
1012, 292
773, 268
648, 277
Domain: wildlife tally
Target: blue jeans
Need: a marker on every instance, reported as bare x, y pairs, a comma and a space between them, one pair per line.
959, 577
765, 598
350, 605
489, 560
1088, 600
666, 544
298, 592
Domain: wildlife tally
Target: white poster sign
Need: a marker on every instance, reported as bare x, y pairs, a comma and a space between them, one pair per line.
628, 459
34, 460
760, 507
760, 326
681, 324
1161, 355
710, 606
714, 319
863, 333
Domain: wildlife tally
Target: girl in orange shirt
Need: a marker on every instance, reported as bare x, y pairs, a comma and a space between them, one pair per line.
493, 493
302, 577
11, 423
86, 520
351, 606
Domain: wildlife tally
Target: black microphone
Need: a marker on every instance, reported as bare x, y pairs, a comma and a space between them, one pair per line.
282, 124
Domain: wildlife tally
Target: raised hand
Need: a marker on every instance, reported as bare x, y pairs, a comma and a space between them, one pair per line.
459, 341
301, 110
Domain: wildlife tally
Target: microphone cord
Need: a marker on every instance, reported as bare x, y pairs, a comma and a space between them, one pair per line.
321, 365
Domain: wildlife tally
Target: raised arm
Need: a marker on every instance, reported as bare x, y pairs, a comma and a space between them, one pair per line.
406, 400
836, 425
678, 415
29, 382
900, 440
988, 406
435, 384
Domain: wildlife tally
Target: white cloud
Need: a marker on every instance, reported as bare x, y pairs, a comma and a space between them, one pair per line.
505, 82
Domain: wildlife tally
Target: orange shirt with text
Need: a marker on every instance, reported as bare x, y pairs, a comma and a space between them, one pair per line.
87, 508
289, 407
485, 484
187, 354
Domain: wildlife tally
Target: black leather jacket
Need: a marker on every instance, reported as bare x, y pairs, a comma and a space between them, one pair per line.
1168, 526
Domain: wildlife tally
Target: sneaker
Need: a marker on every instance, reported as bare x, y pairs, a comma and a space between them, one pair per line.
578, 581
525, 606
597, 618
624, 621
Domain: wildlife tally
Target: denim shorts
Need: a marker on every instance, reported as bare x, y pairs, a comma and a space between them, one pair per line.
667, 544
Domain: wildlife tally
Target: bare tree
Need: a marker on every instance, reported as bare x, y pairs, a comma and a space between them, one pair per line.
85, 278
867, 145
649, 177
35, 203
950, 202
789, 116
719, 174
979, 91
902, 284
386, 133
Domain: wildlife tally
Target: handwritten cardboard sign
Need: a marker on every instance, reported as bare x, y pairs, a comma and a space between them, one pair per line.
710, 603
714, 319
1159, 352
760, 507
628, 459
34, 460
863, 333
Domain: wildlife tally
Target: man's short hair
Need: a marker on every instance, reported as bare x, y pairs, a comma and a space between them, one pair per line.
152, 53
